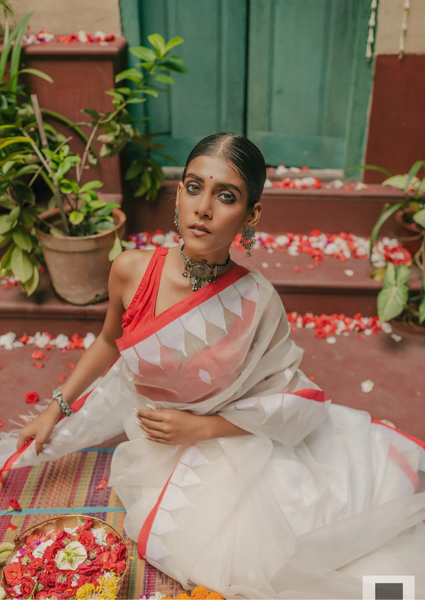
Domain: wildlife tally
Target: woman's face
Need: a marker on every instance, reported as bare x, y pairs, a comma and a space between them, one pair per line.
214, 194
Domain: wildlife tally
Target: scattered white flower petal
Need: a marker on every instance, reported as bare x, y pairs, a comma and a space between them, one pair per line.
396, 338
349, 272
88, 340
277, 264
270, 250
386, 328
390, 423
264, 265
331, 340
61, 341
41, 548
367, 386
268, 184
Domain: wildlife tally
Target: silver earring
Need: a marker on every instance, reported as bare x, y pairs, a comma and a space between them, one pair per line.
248, 239
176, 220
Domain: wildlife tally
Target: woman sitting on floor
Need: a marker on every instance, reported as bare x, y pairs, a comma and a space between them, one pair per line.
239, 474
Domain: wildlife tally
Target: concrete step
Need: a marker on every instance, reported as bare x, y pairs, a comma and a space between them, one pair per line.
325, 288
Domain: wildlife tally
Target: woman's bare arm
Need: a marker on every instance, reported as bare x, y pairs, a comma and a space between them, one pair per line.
101, 354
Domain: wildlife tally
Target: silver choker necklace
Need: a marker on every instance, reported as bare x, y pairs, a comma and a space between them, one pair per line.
200, 273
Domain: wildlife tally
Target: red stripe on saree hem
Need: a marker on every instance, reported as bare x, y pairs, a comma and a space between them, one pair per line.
75, 407
399, 459
181, 307
311, 394
414, 439
142, 542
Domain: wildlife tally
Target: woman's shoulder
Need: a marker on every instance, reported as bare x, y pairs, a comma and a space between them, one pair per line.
130, 264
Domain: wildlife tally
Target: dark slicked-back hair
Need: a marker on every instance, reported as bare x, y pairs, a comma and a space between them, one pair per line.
242, 154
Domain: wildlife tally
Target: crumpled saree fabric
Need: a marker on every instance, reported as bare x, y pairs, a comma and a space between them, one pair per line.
313, 498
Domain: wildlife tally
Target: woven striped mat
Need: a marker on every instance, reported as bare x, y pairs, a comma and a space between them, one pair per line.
47, 490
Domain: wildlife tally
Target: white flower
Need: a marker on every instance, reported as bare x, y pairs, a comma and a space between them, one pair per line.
61, 341
281, 170
2, 593
71, 556
88, 340
40, 340
264, 265
40, 550
367, 386
349, 272
396, 338
331, 340
100, 534
268, 183
386, 328
7, 340
158, 238
282, 240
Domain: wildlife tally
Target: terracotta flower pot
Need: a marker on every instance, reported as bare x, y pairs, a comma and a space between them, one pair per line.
408, 230
79, 266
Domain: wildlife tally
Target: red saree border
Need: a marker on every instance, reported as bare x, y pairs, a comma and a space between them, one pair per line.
75, 407
181, 307
311, 394
410, 437
401, 462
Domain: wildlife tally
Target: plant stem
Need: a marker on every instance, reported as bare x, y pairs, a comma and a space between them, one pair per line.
37, 173
49, 170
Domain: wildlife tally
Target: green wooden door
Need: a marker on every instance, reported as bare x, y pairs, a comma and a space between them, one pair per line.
211, 97
308, 81
289, 74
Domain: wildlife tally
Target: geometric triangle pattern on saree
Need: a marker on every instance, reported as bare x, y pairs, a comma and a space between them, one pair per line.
194, 322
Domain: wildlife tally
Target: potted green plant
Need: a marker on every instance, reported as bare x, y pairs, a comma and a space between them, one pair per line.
77, 224
395, 299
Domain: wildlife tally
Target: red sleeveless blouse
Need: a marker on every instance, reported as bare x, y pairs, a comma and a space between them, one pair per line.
142, 307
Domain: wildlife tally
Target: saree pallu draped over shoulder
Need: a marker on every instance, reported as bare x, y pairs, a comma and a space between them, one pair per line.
315, 496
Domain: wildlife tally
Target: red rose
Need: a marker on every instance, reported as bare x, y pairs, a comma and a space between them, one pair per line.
112, 539
15, 504
88, 524
31, 397
36, 563
27, 586
51, 551
119, 566
89, 568
50, 567
121, 551
47, 579
13, 573
87, 539
82, 579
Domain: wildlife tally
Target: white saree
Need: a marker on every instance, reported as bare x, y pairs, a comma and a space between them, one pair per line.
315, 497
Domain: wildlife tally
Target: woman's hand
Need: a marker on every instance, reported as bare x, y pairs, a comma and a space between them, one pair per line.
40, 429
172, 427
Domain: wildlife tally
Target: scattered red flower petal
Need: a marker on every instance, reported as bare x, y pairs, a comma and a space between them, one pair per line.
1, 423
24, 339
63, 350
47, 357
11, 527
31, 397
71, 365
311, 377
38, 365
37, 355
62, 376
297, 270
15, 504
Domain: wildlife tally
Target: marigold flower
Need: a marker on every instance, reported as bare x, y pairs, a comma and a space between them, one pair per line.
199, 592
215, 595
183, 596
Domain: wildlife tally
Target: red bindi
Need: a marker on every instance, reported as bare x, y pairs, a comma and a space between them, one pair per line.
211, 176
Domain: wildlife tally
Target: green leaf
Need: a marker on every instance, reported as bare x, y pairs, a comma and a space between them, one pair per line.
27, 219
22, 239
389, 278
6, 202
123, 90
19, 139
174, 65
398, 181
145, 184
38, 73
116, 248
76, 217
31, 285
422, 310
128, 73
7, 256
144, 53
104, 226
5, 238
91, 185
135, 169
136, 100
402, 275
91, 113
57, 233
175, 41
165, 79
391, 302
419, 218
371, 167
413, 170
21, 265
157, 41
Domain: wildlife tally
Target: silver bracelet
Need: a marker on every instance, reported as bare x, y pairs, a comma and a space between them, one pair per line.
63, 404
